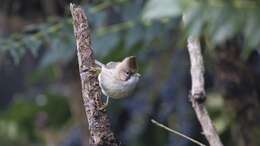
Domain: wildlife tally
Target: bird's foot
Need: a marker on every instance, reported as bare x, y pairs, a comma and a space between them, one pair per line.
95, 69
104, 106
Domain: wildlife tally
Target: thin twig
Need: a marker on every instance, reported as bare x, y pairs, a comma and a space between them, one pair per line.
178, 133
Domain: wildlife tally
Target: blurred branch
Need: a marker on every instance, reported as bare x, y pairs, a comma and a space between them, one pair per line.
178, 133
115, 27
198, 94
19, 38
99, 125
235, 4
105, 5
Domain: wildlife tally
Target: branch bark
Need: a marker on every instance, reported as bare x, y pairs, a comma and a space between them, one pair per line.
198, 91
99, 126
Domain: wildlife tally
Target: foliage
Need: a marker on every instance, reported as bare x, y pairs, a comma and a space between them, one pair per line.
57, 36
52, 44
149, 29
23, 118
217, 20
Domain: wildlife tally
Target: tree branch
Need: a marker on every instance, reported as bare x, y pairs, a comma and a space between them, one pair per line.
198, 91
99, 126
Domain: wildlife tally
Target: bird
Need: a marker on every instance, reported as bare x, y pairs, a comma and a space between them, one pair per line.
118, 79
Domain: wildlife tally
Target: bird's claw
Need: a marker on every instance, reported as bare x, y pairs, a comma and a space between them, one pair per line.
95, 69
104, 106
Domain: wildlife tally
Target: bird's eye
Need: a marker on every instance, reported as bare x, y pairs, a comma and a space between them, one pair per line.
128, 73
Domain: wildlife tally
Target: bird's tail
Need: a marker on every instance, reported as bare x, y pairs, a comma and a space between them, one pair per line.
99, 63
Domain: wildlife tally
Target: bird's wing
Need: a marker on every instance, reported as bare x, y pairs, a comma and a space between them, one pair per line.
111, 64
99, 63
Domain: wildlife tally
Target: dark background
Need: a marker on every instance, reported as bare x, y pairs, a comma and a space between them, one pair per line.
40, 96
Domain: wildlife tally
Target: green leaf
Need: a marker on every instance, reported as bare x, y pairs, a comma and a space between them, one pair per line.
195, 19
251, 30
17, 52
32, 43
157, 9
227, 26
60, 48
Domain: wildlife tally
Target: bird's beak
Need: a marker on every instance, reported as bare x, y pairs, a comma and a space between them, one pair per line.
138, 75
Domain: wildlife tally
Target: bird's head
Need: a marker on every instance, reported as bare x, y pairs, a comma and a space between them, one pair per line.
126, 68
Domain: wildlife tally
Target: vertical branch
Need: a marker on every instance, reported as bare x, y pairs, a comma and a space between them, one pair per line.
99, 126
198, 91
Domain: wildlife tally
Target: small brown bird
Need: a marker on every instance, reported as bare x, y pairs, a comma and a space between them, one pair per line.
118, 79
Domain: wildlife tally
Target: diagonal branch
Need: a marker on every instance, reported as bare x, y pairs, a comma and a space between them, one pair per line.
177, 133
198, 92
99, 126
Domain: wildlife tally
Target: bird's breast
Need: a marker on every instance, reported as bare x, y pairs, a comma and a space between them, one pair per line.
115, 88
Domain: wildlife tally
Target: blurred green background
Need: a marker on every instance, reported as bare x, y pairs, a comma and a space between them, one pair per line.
40, 96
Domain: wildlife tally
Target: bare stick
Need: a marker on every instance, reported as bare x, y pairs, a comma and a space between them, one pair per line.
178, 133
99, 126
198, 91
